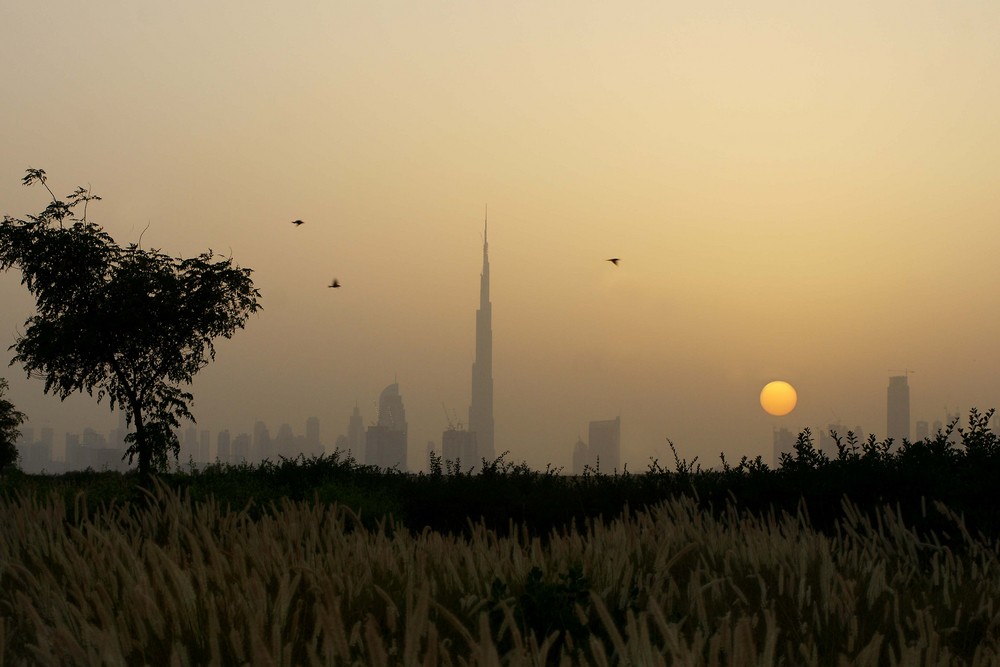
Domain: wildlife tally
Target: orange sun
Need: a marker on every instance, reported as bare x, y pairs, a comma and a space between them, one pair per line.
778, 398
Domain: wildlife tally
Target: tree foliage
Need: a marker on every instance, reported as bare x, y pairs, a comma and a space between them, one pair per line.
129, 324
10, 422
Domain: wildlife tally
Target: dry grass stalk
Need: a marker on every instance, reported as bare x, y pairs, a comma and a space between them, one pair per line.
185, 583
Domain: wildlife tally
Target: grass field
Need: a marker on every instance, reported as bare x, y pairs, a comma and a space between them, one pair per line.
165, 579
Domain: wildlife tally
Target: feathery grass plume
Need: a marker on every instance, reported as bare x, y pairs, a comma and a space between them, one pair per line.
174, 580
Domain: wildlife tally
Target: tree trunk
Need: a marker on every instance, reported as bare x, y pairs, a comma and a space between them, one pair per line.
145, 455
141, 439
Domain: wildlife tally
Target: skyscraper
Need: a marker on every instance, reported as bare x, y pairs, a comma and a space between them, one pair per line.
261, 441
460, 445
385, 442
391, 412
898, 409
241, 449
605, 444
284, 442
581, 456
481, 409
223, 443
204, 446
355, 440
313, 446
784, 443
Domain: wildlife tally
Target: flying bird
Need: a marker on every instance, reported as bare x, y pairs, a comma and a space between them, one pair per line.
335, 283
614, 260
297, 222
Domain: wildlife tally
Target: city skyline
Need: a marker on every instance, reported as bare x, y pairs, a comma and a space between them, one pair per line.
385, 443
797, 192
455, 443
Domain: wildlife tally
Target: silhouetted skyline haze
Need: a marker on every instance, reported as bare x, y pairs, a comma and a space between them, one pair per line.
798, 192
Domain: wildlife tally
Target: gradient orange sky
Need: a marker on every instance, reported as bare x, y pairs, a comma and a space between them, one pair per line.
798, 191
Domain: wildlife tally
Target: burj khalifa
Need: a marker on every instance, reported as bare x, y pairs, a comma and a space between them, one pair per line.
481, 410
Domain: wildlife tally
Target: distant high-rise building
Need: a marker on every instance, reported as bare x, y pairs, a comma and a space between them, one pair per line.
284, 442
241, 449
391, 413
90, 450
784, 443
223, 443
47, 440
605, 444
48, 436
954, 418
355, 440
35, 456
828, 445
430, 451
481, 409
460, 445
385, 443
261, 442
74, 456
312, 436
188, 445
93, 439
385, 447
117, 435
204, 446
581, 457
898, 409
923, 431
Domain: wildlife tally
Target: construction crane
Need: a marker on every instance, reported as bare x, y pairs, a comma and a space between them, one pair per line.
905, 371
453, 424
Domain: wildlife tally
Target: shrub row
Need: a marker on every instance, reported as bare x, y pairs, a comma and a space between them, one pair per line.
959, 466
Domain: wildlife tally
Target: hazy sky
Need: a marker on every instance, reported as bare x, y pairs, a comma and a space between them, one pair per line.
798, 190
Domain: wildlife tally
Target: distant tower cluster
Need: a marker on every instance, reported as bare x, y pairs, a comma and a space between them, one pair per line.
827, 443
481, 410
603, 451
898, 409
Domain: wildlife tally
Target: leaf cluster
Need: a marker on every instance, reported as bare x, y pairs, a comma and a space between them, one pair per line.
10, 423
122, 322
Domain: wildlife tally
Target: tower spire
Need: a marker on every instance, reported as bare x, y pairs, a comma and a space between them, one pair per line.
481, 409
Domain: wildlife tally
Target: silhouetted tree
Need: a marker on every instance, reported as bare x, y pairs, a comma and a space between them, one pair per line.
132, 325
10, 422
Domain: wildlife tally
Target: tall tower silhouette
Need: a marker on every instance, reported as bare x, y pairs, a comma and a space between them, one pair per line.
481, 410
898, 408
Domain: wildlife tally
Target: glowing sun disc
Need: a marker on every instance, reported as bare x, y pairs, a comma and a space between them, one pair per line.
778, 398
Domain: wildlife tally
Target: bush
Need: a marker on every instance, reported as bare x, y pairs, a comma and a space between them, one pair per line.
10, 429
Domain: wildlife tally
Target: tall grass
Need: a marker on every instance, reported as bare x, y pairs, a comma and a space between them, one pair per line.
174, 581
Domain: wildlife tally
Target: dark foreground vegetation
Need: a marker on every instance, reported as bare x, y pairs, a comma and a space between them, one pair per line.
959, 467
886, 554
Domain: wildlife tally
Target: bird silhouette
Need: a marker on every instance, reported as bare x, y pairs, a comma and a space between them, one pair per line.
614, 260
335, 283
297, 222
